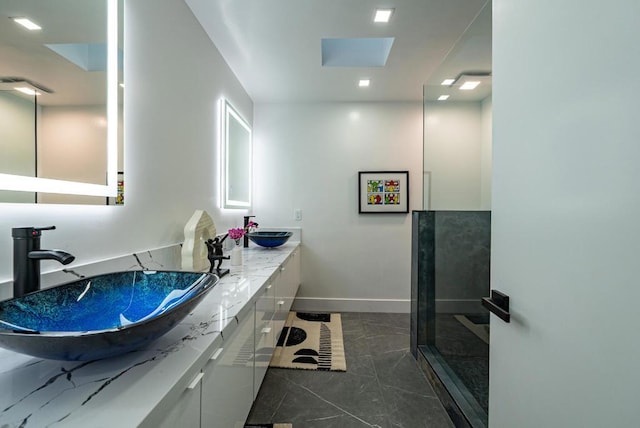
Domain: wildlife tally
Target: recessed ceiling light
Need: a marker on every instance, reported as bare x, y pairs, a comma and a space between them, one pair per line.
443, 97
448, 82
469, 85
364, 83
27, 91
27, 23
383, 15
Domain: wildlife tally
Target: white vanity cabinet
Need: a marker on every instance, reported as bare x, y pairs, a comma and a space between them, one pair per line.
221, 394
227, 385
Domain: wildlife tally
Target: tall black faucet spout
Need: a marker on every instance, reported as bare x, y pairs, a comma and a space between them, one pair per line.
26, 258
57, 255
247, 219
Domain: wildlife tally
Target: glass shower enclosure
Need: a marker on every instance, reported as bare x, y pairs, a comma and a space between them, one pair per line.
451, 253
451, 238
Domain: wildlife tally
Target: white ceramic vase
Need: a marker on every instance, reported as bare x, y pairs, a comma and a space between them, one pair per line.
236, 255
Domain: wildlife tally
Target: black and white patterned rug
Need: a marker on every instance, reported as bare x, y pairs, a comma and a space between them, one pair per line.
311, 341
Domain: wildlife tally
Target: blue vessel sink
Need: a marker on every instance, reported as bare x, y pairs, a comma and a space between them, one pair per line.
269, 239
101, 316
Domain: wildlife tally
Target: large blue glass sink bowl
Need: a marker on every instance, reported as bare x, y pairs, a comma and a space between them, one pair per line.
269, 239
101, 316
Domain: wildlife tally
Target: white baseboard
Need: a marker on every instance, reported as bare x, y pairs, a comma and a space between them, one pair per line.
318, 304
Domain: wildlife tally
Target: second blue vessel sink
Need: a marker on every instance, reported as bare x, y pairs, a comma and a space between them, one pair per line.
100, 316
269, 239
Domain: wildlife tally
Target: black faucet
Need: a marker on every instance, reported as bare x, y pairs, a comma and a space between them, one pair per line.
26, 258
246, 223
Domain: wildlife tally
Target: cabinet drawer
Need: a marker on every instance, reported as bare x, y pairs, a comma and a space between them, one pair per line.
186, 411
227, 386
265, 345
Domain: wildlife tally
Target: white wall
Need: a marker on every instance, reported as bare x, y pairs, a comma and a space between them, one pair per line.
308, 157
174, 78
453, 154
566, 210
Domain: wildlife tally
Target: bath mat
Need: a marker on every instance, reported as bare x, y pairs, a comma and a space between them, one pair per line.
311, 342
480, 330
269, 426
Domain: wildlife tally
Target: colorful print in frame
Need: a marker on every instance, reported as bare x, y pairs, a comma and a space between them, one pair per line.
381, 192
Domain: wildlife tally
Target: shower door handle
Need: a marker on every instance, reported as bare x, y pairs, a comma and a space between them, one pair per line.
498, 304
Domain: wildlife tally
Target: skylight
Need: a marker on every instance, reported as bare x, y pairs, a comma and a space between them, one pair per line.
356, 52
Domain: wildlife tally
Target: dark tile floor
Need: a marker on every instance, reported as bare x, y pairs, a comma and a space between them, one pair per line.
382, 387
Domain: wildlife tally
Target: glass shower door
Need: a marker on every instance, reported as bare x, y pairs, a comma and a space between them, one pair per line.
462, 263
450, 327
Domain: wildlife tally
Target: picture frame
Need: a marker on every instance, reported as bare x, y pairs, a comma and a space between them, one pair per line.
383, 192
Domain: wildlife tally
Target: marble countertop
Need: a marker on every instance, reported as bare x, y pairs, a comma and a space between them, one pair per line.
121, 391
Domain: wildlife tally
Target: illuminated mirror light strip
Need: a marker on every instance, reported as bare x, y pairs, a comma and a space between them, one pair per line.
112, 97
232, 112
227, 111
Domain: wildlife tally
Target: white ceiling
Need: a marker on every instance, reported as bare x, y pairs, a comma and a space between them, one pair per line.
274, 46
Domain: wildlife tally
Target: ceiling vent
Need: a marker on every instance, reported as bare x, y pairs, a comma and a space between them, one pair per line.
484, 77
12, 81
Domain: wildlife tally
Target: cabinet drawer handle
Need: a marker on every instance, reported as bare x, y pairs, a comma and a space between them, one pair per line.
281, 269
269, 287
216, 354
280, 302
196, 380
266, 330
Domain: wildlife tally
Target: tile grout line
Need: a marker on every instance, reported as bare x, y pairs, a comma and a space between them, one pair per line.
380, 390
273, 415
334, 405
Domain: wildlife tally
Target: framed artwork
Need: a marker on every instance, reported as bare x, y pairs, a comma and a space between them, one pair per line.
383, 192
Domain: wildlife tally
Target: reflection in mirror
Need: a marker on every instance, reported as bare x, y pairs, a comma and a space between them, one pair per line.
17, 139
68, 139
457, 124
236, 168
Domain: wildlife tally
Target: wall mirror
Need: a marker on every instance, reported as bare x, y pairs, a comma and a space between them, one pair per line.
236, 159
61, 101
